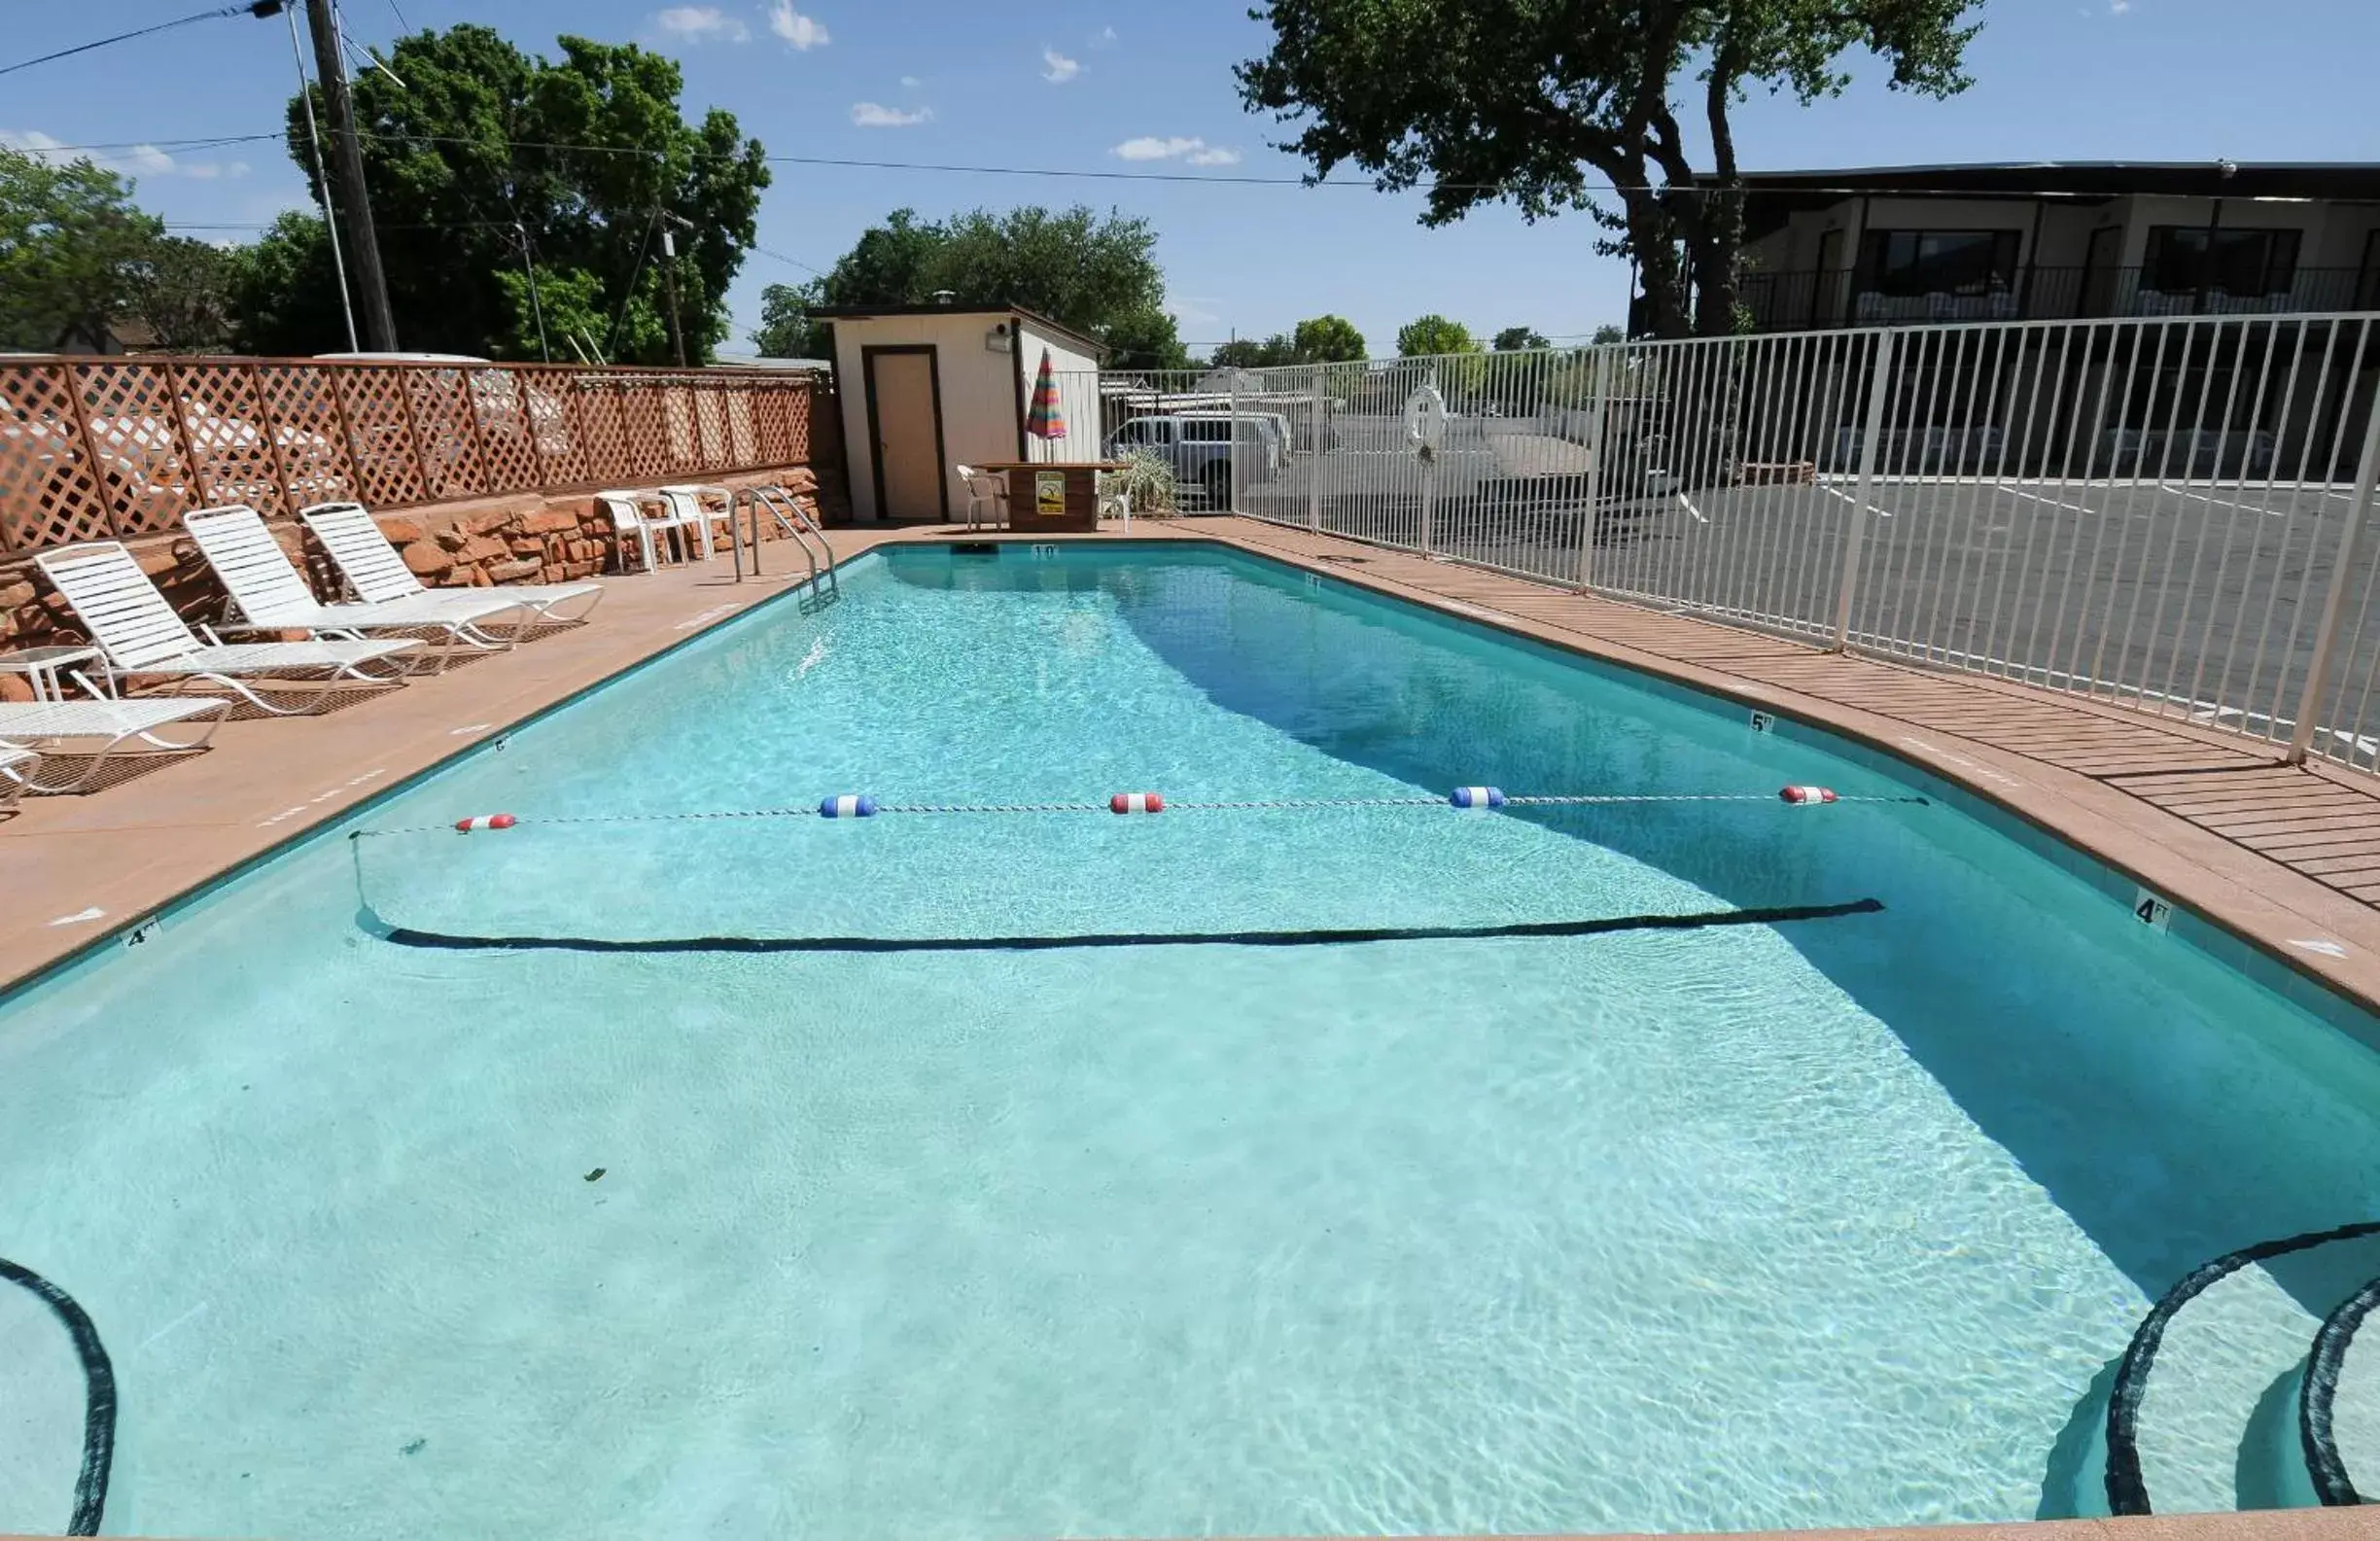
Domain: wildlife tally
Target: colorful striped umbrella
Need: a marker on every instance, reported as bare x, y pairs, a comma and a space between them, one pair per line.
1045, 419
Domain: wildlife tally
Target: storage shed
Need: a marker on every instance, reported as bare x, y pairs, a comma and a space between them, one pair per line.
925, 388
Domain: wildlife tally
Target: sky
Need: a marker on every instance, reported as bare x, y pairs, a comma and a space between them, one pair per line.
1146, 86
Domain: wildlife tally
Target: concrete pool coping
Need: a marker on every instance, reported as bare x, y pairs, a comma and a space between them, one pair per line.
139, 848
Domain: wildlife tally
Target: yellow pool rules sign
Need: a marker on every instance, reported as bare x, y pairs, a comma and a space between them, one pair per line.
1049, 493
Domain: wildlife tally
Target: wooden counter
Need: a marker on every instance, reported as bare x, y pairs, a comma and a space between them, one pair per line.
1058, 494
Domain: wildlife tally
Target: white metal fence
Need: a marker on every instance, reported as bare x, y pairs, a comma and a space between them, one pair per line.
2163, 512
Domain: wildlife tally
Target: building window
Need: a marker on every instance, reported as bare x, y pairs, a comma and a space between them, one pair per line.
1938, 262
2182, 259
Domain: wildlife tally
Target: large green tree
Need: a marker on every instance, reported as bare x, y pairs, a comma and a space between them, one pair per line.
1424, 336
72, 248
1096, 274
486, 159
182, 289
786, 330
1318, 340
1327, 340
1527, 100
1519, 339
284, 295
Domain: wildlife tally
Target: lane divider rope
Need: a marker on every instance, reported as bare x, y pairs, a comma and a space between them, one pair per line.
860, 805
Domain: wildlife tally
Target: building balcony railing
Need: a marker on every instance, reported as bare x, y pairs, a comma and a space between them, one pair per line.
1808, 299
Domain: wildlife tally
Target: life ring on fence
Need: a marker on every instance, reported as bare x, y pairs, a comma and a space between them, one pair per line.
1425, 420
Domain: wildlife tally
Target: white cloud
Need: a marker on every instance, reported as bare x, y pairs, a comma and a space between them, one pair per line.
1148, 146
1057, 69
1198, 151
138, 161
803, 32
2119, 7
1106, 38
875, 115
911, 81
702, 24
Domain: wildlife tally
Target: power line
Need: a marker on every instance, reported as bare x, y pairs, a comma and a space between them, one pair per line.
1102, 174
783, 257
255, 7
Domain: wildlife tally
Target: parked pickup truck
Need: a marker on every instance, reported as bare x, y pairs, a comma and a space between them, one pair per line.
1198, 446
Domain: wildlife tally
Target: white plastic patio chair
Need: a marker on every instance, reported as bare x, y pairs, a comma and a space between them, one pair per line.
630, 520
91, 731
139, 635
271, 594
986, 494
378, 575
688, 511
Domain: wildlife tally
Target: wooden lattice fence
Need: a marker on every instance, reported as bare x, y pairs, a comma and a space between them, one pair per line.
93, 448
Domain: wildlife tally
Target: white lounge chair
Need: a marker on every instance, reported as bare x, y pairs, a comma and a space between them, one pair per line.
272, 594
631, 522
375, 571
138, 634
90, 731
688, 511
16, 774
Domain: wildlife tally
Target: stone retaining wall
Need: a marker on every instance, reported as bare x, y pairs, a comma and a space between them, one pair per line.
518, 538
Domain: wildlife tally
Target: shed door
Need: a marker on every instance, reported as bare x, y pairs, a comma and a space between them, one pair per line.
905, 421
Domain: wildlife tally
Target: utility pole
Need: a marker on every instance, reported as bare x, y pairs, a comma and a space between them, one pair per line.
379, 324
669, 281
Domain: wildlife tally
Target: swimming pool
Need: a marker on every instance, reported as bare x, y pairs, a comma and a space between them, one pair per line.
1841, 1220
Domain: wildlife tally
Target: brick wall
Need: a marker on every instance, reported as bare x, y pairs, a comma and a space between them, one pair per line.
518, 538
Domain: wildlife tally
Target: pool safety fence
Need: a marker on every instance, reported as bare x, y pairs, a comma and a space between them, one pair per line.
2163, 511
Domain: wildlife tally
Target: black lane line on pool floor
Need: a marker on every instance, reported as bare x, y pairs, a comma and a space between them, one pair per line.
408, 936
2318, 1390
2127, 1492
98, 1396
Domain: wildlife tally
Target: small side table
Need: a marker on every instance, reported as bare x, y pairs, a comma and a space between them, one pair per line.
45, 667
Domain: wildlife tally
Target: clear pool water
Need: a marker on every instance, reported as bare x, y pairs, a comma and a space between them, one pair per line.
1830, 1223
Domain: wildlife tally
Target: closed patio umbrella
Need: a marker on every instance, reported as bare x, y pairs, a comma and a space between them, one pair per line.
1045, 419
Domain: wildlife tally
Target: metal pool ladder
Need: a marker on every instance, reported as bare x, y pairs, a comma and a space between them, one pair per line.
825, 585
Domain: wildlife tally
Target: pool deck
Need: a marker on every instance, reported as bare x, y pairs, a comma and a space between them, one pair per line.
2288, 857
2282, 856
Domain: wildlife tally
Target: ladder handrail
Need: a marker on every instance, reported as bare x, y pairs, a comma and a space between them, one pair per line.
801, 528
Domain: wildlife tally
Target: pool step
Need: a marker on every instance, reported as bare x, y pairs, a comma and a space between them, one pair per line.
2215, 1380
2339, 1413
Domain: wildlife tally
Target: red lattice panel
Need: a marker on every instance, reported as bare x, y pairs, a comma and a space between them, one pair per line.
442, 431
379, 437
301, 402
648, 433
768, 426
743, 444
799, 402
504, 431
603, 431
711, 428
561, 460
231, 439
678, 412
50, 494
130, 412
